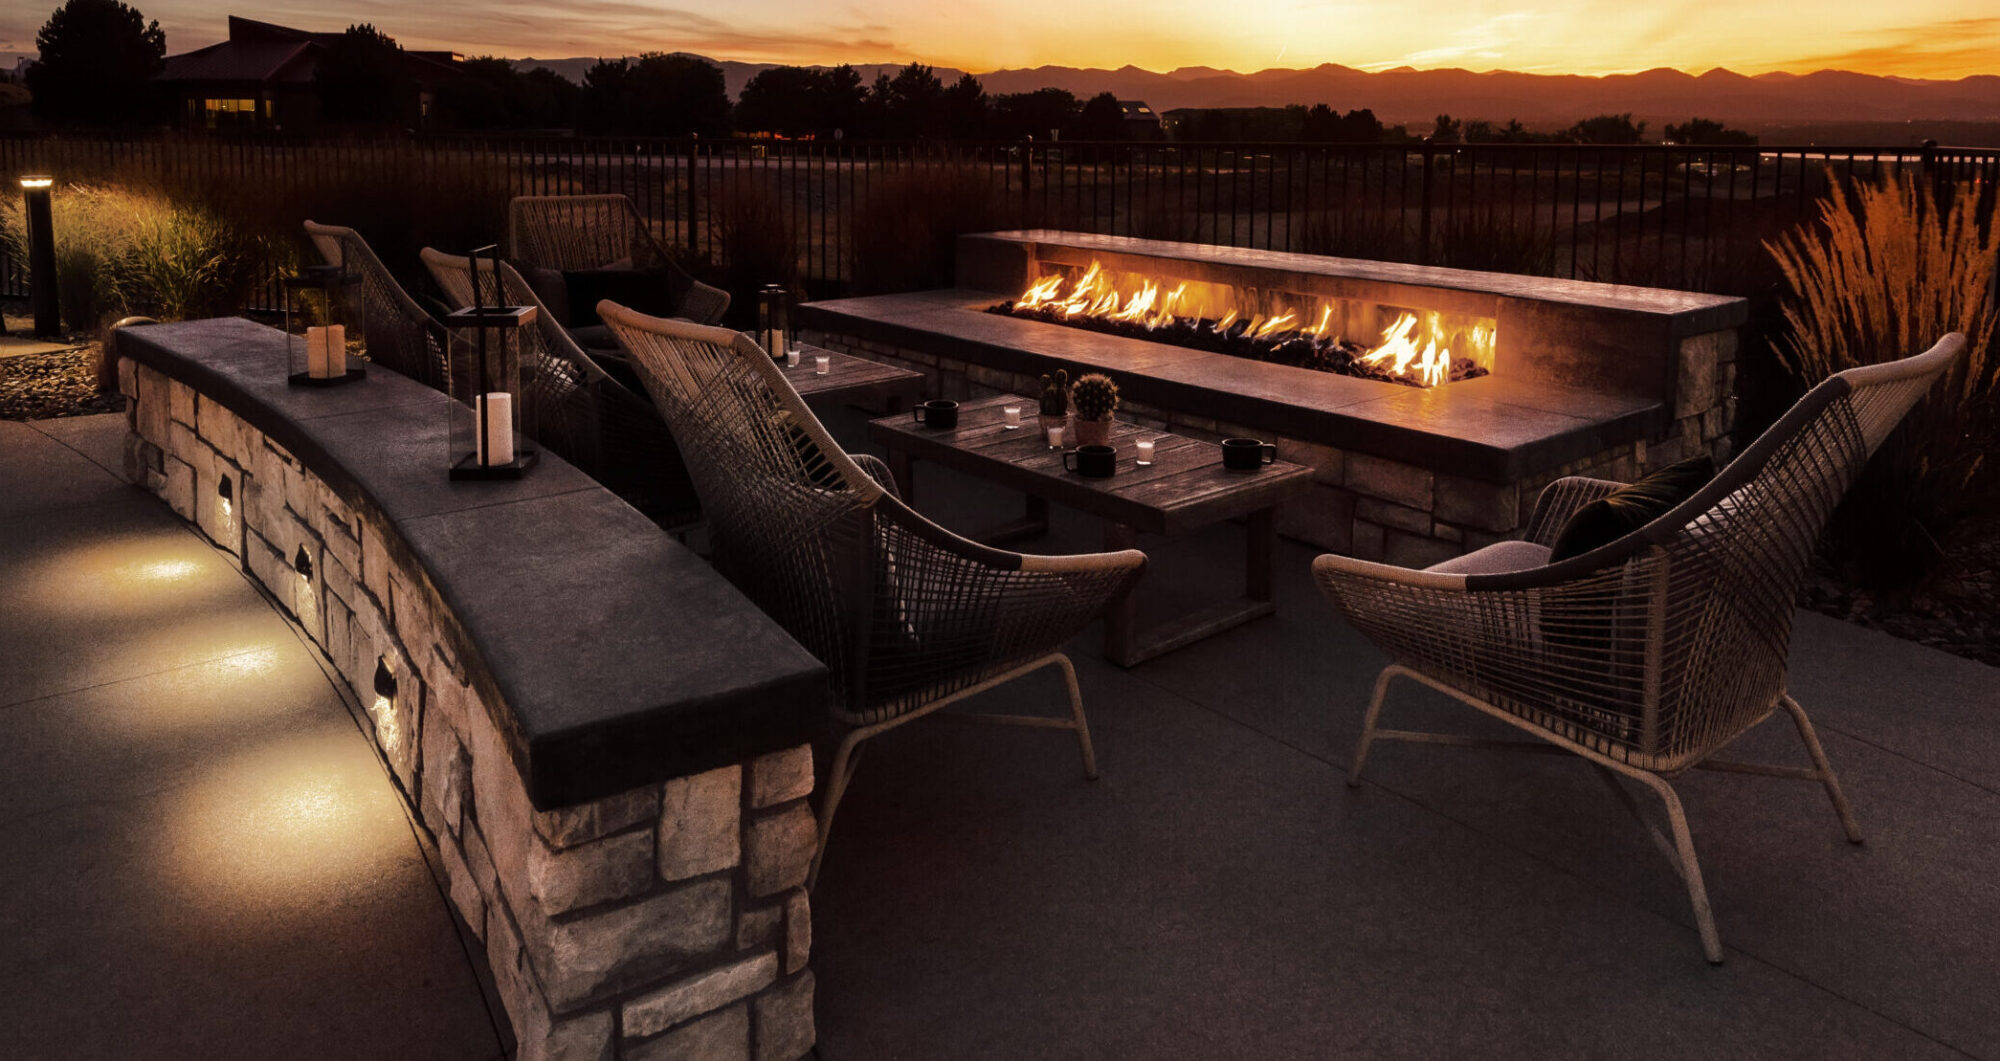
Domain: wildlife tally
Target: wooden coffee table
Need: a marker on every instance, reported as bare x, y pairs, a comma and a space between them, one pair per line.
1186, 488
851, 379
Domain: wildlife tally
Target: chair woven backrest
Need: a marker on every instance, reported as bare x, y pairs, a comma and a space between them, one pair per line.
900, 610
1674, 639
588, 415
555, 372
570, 232
395, 331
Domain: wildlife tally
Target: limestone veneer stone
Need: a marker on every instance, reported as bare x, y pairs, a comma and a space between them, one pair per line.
780, 777
704, 992
780, 849
721, 1036
698, 831
574, 900
784, 1021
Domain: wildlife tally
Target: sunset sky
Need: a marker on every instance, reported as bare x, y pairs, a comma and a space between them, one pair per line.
1916, 38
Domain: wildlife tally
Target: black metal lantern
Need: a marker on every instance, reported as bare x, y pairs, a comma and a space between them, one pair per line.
774, 319
491, 434
316, 329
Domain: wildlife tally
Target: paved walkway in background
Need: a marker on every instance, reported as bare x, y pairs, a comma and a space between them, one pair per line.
200, 855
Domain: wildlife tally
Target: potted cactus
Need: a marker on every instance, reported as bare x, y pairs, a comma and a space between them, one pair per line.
1055, 402
1095, 398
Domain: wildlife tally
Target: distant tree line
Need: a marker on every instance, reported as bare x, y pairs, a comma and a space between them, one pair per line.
98, 58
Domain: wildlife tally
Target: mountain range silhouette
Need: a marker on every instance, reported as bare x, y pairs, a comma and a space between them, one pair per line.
1404, 94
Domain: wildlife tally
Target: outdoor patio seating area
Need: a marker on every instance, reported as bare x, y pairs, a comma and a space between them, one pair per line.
1218, 891
591, 614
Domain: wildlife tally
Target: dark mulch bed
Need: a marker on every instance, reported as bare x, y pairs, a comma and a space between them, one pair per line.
47, 386
1959, 612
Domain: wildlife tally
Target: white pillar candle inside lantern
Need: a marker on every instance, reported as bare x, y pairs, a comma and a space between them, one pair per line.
496, 428
774, 309
319, 363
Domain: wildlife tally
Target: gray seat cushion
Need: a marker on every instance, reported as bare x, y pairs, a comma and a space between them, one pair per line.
595, 337
1496, 559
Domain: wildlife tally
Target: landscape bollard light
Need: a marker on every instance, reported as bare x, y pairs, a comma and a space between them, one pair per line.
42, 257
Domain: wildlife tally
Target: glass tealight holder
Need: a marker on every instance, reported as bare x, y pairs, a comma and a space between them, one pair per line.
318, 334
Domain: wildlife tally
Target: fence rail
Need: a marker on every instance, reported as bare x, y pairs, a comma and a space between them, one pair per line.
840, 216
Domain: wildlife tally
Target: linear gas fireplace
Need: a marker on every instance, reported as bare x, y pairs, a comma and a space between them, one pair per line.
1433, 403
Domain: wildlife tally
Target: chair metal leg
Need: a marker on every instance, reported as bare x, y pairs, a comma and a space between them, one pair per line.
1076, 710
1704, 917
1389, 673
841, 772
1824, 768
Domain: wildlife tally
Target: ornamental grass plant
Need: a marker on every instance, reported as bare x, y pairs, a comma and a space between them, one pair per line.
121, 251
1886, 270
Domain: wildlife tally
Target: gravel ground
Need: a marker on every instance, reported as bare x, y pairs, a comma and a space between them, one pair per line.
46, 386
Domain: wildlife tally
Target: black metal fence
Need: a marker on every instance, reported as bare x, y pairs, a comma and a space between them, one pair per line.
845, 216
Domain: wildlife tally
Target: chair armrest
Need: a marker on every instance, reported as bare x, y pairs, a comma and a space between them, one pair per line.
878, 470
1559, 501
946, 613
704, 304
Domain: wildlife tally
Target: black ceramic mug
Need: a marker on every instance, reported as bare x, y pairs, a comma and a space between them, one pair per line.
1094, 462
938, 412
1247, 454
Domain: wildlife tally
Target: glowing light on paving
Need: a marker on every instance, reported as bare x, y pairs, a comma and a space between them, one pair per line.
301, 821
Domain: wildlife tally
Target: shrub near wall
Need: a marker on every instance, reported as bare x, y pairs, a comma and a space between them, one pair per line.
122, 251
1888, 269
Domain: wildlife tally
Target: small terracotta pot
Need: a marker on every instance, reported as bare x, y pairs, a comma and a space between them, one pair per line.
1091, 432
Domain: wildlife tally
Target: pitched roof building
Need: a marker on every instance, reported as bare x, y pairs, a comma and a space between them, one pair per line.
261, 78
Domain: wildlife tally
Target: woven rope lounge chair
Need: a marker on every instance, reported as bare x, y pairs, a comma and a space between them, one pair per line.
907, 616
593, 411
1649, 654
572, 232
396, 332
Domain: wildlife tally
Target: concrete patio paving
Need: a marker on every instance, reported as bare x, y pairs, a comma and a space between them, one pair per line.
203, 856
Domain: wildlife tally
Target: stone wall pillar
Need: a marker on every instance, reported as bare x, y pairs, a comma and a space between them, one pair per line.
666, 921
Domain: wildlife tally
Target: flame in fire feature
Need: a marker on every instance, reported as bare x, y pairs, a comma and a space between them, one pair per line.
1414, 346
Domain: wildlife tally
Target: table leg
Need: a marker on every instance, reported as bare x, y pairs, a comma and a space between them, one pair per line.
900, 470
1261, 544
1121, 617
1033, 524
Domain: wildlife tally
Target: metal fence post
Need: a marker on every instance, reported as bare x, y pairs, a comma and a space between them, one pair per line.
1424, 216
1027, 178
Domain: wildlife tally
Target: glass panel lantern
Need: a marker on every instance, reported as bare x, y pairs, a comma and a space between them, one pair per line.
492, 429
318, 336
774, 320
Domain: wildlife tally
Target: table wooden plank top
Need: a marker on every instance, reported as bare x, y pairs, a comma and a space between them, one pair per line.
849, 378
1186, 487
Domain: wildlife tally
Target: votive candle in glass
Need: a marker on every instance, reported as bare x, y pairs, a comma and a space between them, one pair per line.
792, 358
1056, 433
1013, 415
1145, 453
822, 365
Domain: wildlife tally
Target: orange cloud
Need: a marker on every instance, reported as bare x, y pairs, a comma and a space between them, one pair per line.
1941, 50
